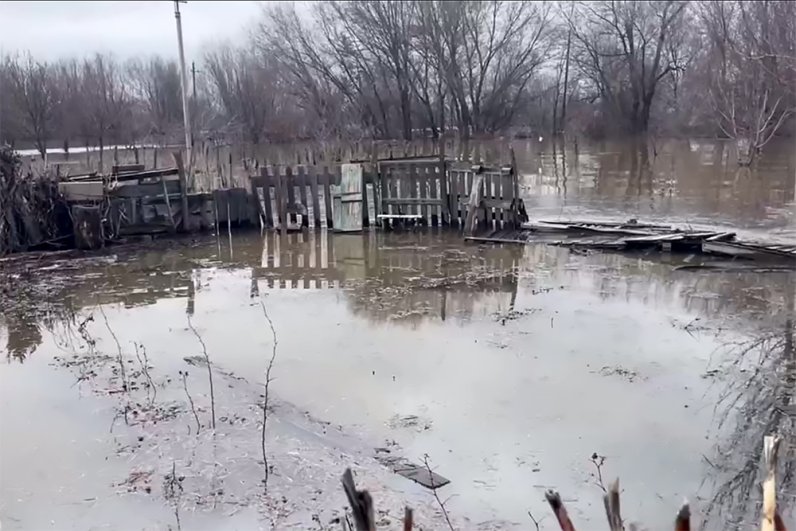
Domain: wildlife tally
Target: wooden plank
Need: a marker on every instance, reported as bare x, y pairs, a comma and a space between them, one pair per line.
301, 181
127, 168
416, 202
316, 207
501, 215
453, 193
445, 211
281, 201
290, 183
168, 205
151, 174
488, 194
348, 200
422, 181
475, 197
421, 474
267, 182
437, 205
412, 188
395, 188
384, 192
327, 194
146, 190
399, 216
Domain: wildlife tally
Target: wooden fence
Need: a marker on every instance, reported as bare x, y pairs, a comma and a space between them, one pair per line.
424, 191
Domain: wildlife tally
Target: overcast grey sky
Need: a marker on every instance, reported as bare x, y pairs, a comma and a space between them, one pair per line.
51, 30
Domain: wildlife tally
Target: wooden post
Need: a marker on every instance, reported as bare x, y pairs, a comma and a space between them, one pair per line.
443, 185
475, 201
514, 173
186, 218
281, 200
168, 203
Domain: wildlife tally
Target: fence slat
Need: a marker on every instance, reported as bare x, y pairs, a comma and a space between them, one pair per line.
301, 180
327, 194
316, 207
290, 183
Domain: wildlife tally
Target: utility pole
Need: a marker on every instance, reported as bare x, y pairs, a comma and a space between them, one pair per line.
186, 112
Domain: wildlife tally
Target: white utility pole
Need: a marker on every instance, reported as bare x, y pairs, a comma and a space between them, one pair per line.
186, 112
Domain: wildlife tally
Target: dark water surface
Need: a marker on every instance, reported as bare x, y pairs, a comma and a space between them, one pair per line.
508, 366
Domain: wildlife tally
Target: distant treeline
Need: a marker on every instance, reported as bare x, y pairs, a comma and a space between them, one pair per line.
410, 69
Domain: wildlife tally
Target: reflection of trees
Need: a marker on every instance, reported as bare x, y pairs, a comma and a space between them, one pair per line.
23, 335
29, 305
689, 176
409, 277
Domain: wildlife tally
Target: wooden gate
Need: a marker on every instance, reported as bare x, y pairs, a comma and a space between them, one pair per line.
414, 190
347, 211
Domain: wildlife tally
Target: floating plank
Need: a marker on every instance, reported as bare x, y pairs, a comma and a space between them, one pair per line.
421, 474
418, 473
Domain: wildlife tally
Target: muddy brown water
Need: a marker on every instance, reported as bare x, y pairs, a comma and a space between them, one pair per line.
507, 366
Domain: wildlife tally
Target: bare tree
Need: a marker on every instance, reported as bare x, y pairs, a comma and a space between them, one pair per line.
35, 94
489, 52
246, 88
156, 85
106, 100
623, 50
283, 36
751, 64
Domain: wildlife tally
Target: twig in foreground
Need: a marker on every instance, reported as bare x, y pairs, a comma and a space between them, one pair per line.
268, 369
184, 376
436, 496
144, 362
120, 359
209, 374
534, 520
599, 461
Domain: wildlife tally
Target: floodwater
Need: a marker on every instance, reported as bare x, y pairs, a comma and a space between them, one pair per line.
507, 366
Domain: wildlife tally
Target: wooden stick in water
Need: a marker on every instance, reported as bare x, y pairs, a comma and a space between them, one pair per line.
770, 455
683, 520
554, 499
611, 501
408, 519
361, 504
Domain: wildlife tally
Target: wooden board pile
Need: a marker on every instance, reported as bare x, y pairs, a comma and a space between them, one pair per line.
31, 208
632, 235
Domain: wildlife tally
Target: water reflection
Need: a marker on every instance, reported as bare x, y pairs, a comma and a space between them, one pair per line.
398, 277
403, 280
677, 180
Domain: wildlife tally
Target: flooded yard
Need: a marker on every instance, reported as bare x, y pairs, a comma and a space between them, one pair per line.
509, 369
